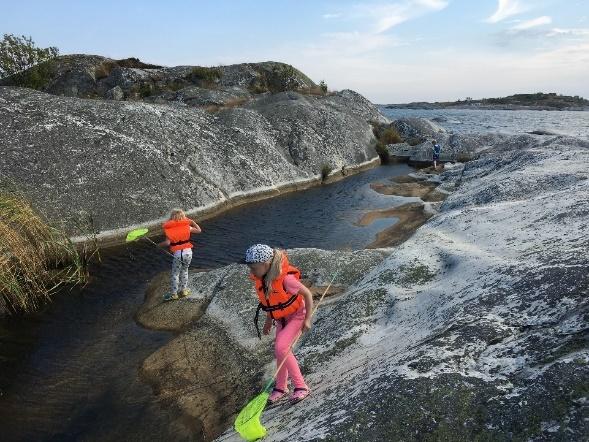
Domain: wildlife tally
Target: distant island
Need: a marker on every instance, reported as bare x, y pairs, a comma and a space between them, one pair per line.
537, 101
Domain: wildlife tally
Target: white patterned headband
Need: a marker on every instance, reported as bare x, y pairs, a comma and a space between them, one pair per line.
258, 253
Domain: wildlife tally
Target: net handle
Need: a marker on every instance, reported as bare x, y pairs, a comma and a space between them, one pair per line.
164, 250
156, 245
299, 334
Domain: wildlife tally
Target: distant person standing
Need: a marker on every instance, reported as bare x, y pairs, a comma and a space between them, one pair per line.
436, 153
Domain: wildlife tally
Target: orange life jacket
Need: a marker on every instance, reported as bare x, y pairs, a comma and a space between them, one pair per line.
280, 303
178, 232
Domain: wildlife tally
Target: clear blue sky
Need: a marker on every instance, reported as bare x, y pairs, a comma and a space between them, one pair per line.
390, 51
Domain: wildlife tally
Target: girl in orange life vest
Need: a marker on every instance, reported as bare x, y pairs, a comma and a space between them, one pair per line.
288, 304
178, 229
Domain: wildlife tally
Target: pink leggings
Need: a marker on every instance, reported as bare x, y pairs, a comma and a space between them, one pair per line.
284, 338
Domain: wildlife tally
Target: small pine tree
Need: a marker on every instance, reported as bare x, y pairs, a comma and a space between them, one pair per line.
17, 54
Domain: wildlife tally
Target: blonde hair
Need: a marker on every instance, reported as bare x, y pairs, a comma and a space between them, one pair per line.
177, 215
273, 272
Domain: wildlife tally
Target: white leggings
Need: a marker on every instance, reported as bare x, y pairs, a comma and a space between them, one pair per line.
180, 266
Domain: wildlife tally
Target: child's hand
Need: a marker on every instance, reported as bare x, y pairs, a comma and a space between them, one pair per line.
267, 327
307, 325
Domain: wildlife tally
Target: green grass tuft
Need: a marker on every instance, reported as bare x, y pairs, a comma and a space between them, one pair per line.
35, 258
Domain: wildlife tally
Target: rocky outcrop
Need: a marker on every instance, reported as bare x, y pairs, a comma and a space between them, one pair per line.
103, 165
415, 136
417, 128
418, 134
459, 334
93, 76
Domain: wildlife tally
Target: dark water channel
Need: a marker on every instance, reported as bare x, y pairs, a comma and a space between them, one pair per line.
70, 372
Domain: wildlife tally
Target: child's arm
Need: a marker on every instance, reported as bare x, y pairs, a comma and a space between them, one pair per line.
165, 243
194, 228
308, 307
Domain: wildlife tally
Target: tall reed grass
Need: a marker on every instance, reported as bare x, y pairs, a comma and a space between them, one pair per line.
35, 258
